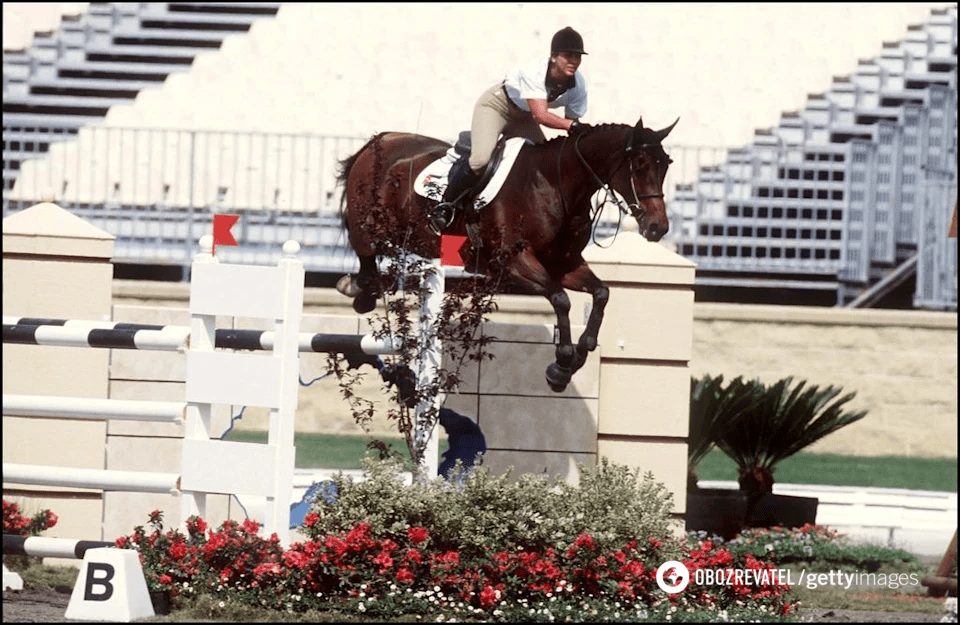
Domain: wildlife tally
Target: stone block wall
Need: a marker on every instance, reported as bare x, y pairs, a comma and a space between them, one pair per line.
902, 365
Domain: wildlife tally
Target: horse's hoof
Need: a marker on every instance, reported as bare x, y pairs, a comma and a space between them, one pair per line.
579, 359
558, 377
364, 303
348, 286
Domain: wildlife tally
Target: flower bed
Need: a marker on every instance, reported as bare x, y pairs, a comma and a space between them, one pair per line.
533, 550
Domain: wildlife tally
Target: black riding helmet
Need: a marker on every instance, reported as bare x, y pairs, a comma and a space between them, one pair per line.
566, 40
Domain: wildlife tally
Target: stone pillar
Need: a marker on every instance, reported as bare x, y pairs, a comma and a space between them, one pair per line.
645, 347
56, 265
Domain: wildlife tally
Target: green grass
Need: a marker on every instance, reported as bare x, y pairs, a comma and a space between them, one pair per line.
938, 474
342, 451
329, 451
906, 598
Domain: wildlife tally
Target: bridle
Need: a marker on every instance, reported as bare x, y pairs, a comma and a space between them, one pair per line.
632, 209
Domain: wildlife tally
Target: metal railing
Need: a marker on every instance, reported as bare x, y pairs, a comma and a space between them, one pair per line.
771, 210
157, 189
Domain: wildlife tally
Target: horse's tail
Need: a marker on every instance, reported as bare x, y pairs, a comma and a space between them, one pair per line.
343, 173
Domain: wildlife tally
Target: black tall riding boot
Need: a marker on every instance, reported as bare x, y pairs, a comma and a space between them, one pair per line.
461, 181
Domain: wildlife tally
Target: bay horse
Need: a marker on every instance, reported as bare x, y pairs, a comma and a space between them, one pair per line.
531, 234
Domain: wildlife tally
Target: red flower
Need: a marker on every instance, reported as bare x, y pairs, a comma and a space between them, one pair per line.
165, 579
178, 550
295, 559
51, 519
271, 568
339, 547
383, 560
488, 596
121, 542
404, 574
656, 543
585, 540
413, 555
311, 519
196, 525
418, 534
387, 545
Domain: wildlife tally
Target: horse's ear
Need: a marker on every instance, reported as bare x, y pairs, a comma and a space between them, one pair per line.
662, 134
635, 135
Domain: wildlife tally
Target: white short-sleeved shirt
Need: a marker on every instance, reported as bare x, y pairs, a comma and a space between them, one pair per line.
530, 81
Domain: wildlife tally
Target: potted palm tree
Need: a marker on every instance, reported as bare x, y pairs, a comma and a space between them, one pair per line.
715, 510
772, 423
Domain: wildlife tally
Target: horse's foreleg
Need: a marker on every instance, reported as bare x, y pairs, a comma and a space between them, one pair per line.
526, 272
559, 373
583, 279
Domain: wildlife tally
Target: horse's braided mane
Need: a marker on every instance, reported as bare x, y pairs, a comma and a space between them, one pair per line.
589, 131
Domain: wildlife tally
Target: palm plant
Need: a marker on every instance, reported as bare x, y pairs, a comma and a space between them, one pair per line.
711, 408
779, 421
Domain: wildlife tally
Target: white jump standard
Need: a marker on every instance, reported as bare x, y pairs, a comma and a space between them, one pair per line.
267, 378
223, 367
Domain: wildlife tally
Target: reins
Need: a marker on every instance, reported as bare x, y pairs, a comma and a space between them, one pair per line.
632, 209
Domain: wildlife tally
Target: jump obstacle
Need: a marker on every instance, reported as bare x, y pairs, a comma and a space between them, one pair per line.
210, 466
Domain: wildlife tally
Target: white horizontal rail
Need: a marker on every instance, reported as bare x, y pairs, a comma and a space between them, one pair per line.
119, 335
93, 409
99, 479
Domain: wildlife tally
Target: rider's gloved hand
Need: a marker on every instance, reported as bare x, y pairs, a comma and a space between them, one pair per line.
577, 127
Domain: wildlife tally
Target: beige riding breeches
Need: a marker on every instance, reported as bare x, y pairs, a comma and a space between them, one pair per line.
494, 114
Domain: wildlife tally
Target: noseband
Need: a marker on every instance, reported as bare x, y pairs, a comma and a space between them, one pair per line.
632, 209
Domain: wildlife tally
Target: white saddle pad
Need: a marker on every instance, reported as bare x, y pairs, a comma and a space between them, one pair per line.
432, 181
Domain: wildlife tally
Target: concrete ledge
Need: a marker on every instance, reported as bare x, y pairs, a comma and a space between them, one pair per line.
824, 316
919, 521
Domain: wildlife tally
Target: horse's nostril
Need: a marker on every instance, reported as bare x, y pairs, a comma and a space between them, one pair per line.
653, 232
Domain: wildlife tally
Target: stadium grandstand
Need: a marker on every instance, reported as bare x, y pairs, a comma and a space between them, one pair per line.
846, 202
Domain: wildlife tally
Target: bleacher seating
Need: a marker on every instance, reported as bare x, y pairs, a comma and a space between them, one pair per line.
841, 196
70, 77
841, 189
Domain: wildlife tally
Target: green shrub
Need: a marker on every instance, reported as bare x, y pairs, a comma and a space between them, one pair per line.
817, 547
611, 503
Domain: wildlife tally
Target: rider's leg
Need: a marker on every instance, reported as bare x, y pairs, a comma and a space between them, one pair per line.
525, 127
489, 118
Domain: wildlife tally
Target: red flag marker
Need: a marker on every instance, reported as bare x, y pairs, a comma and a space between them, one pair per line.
221, 230
450, 245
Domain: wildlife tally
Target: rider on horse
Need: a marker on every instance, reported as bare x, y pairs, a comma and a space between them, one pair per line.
517, 106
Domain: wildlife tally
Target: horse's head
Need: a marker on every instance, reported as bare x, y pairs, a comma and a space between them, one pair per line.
641, 181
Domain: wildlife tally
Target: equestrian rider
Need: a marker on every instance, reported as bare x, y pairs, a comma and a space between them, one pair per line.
517, 106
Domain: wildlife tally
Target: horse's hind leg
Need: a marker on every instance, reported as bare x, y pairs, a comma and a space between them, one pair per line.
364, 287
